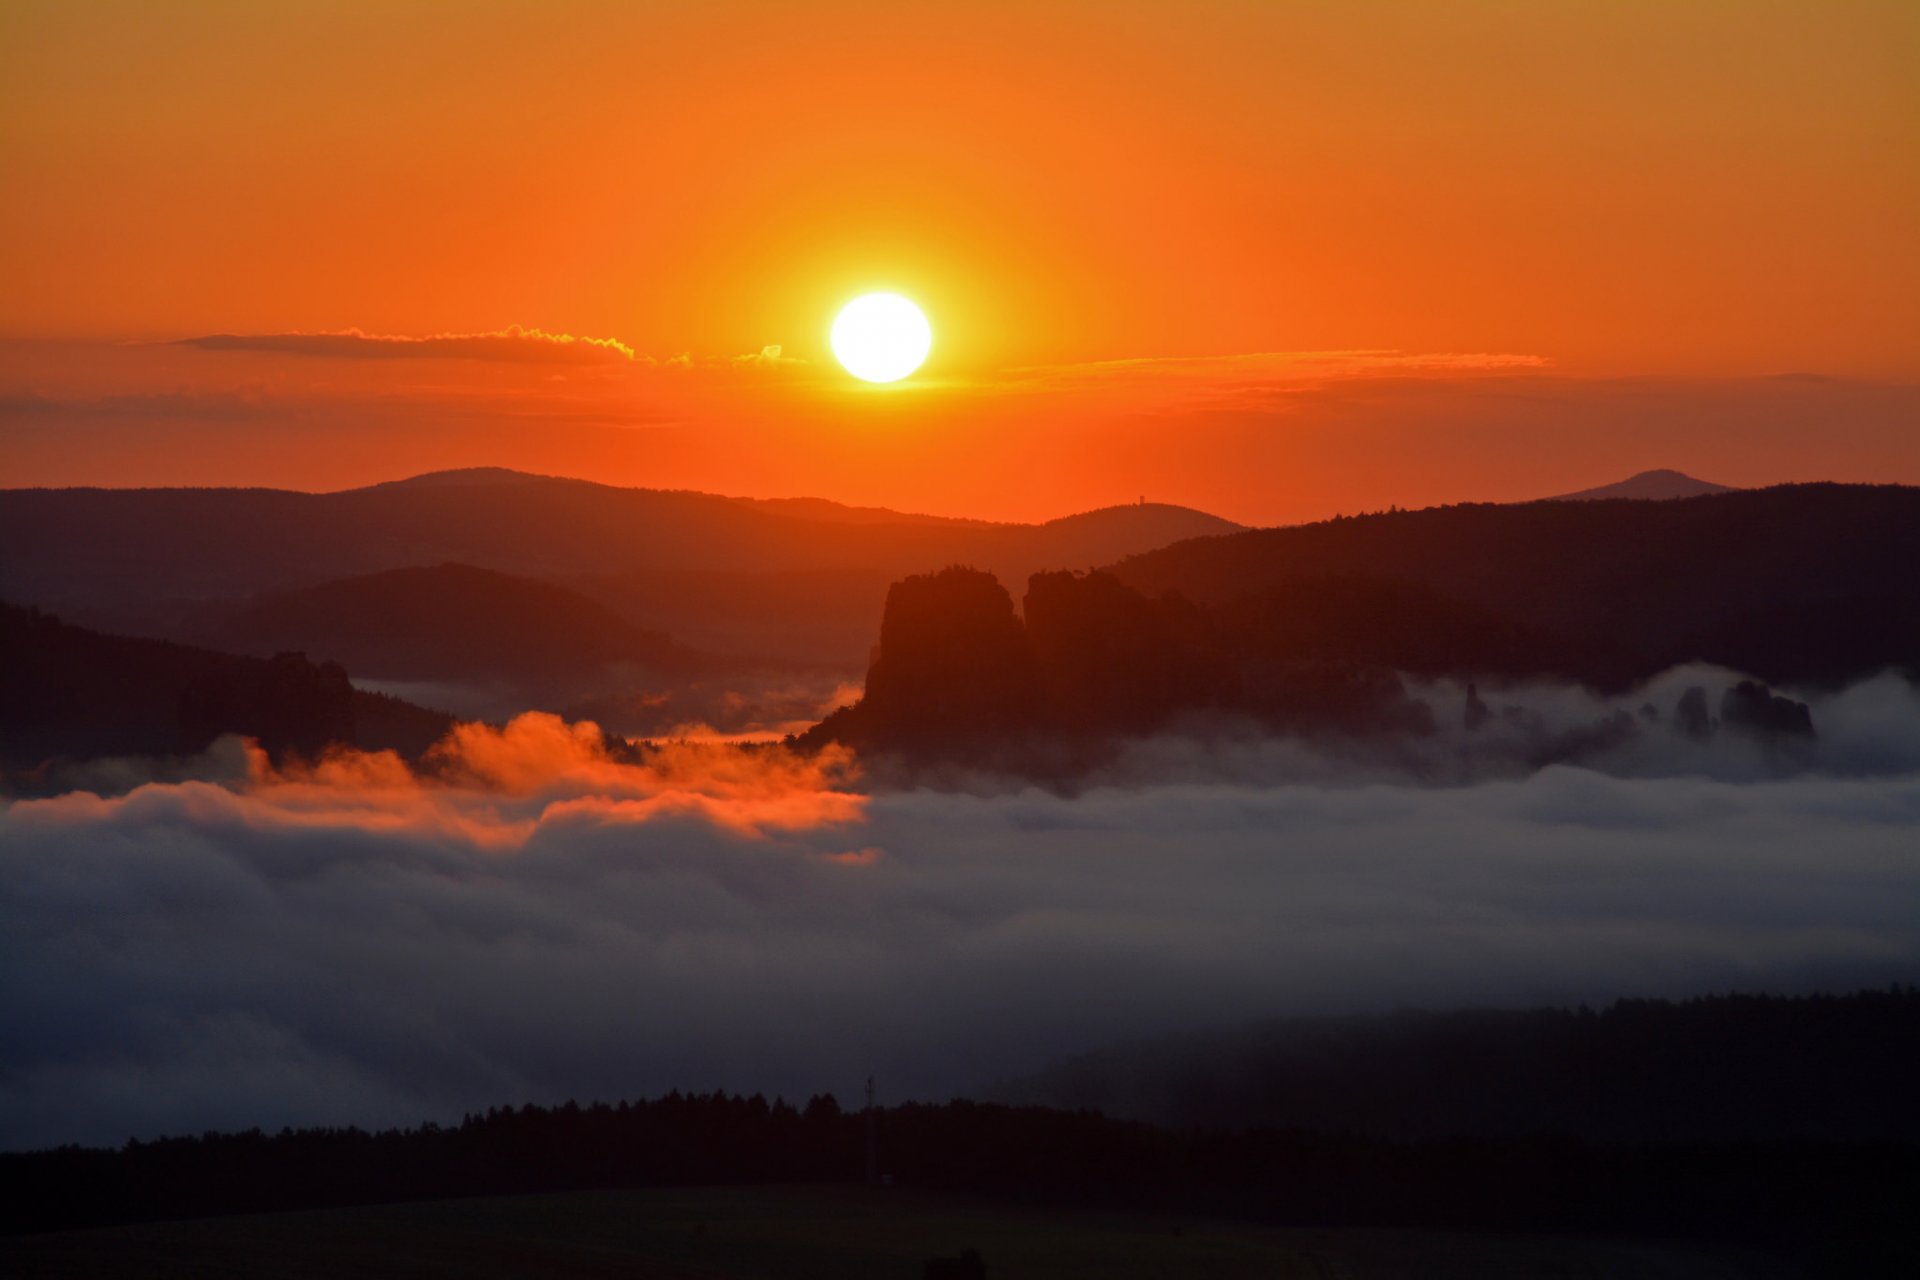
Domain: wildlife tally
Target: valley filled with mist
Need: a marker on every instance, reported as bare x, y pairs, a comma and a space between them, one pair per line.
387, 847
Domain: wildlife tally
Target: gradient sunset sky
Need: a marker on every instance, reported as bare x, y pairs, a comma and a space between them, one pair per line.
1272, 260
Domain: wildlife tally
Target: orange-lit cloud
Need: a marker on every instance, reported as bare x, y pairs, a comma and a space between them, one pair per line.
855, 857
514, 343
770, 355
495, 788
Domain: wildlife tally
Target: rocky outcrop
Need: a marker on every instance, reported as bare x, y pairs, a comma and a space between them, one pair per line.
1751, 707
956, 671
953, 667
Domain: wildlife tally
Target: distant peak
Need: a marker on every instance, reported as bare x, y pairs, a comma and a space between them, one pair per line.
1659, 485
460, 476
1667, 475
1140, 510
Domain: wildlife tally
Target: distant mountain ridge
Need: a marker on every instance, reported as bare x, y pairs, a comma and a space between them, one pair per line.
1809, 583
824, 510
153, 561
449, 622
1648, 486
456, 476
70, 694
1310, 629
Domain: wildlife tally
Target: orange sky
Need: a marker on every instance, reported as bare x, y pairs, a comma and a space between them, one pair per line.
1574, 240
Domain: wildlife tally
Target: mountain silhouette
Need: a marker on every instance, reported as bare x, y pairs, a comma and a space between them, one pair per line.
1794, 584
459, 476
154, 560
452, 622
1310, 629
1657, 486
68, 693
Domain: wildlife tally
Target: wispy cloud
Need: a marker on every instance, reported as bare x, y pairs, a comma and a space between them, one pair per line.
1211, 382
513, 344
1262, 366
767, 357
214, 405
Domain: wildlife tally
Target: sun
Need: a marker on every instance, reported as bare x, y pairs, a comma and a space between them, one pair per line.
881, 337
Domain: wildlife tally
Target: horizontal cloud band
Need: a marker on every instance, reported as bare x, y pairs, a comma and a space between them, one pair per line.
514, 343
536, 920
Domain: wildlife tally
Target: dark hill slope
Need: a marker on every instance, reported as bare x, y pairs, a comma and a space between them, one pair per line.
1165, 1203
840, 513
67, 693
150, 559
237, 542
1795, 583
215, 542
1074, 542
1712, 1069
451, 622
828, 614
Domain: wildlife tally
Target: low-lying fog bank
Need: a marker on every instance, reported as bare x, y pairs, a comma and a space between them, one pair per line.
355, 943
1695, 721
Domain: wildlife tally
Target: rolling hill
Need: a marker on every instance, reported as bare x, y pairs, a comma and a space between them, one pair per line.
451, 622
1648, 486
70, 694
153, 560
1310, 629
1798, 583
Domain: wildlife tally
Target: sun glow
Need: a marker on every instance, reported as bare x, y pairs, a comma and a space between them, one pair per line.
881, 337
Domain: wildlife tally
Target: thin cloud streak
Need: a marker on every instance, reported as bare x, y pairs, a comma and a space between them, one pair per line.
1262, 366
513, 344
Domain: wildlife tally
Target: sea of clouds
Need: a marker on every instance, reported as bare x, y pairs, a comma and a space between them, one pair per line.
533, 919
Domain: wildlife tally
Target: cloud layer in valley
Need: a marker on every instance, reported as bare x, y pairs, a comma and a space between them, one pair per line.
532, 917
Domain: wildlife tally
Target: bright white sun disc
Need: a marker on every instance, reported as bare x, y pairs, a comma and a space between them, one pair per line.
881, 337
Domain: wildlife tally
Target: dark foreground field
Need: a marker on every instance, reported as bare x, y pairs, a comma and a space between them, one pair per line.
837, 1232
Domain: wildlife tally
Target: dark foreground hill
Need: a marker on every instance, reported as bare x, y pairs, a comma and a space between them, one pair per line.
1819, 1208
1722, 1068
813, 1231
70, 694
1799, 583
452, 622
